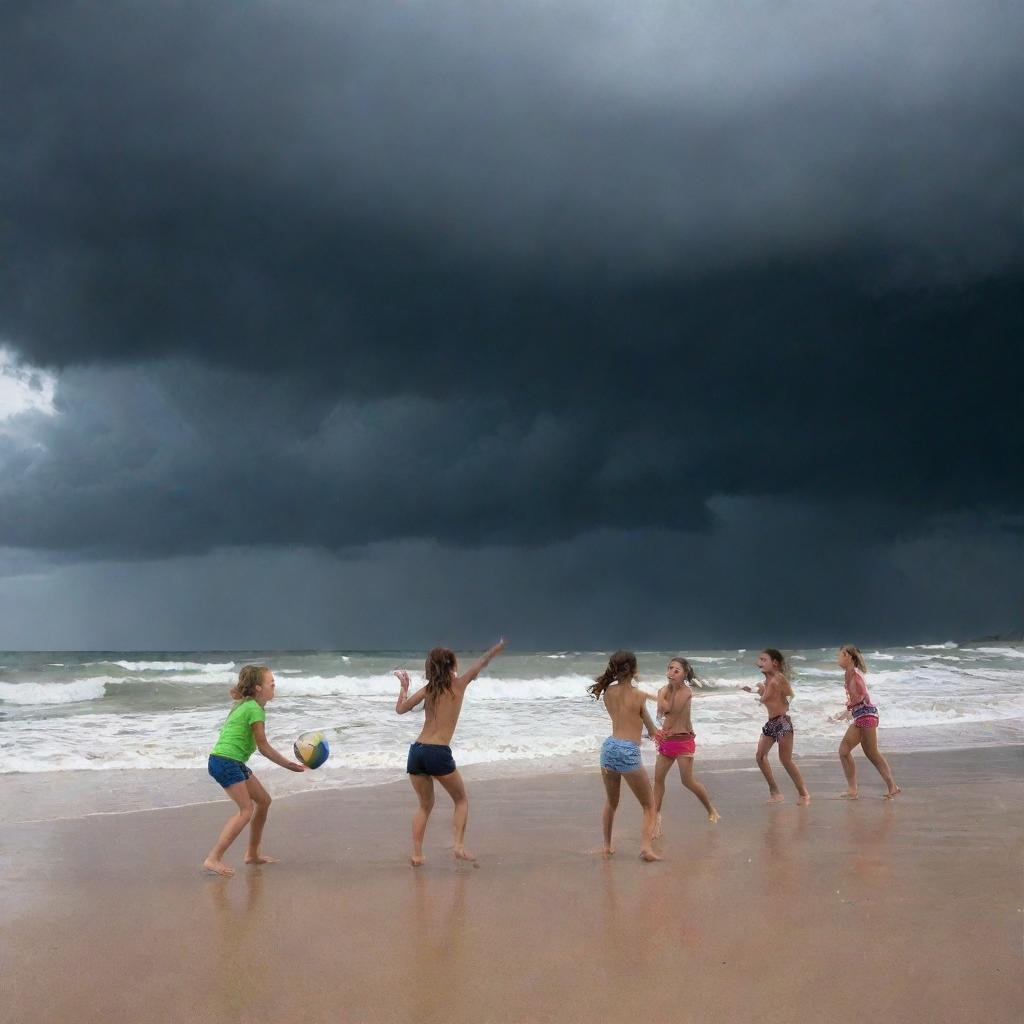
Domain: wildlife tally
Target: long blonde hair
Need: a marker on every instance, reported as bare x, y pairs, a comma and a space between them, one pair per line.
249, 677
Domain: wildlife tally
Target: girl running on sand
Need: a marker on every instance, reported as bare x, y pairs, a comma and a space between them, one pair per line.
676, 740
864, 728
620, 754
430, 756
775, 694
243, 733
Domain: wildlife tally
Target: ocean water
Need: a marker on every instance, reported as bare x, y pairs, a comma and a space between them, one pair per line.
142, 724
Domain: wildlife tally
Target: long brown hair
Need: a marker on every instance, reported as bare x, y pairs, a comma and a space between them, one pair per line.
858, 658
249, 677
779, 658
439, 668
621, 669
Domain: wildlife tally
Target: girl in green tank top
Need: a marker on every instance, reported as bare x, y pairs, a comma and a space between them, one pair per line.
243, 733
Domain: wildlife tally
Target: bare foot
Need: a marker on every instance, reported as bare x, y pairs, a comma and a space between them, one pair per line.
892, 796
260, 858
658, 833
849, 795
648, 855
608, 851
217, 867
418, 862
805, 799
461, 853
714, 817
776, 798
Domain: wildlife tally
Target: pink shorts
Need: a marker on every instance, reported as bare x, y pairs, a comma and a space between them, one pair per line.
866, 722
680, 744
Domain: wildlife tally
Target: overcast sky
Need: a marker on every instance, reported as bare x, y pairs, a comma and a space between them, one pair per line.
349, 325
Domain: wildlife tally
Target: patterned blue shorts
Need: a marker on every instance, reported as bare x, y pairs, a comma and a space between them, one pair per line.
620, 755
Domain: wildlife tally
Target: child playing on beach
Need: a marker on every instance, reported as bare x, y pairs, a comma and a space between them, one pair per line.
620, 754
430, 756
676, 740
243, 733
864, 728
775, 694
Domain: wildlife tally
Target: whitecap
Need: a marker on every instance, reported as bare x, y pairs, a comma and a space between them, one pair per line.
172, 666
52, 693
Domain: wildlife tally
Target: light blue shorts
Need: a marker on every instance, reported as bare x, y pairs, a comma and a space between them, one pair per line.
620, 755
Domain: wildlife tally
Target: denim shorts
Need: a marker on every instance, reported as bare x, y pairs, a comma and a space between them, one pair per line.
620, 755
228, 772
430, 759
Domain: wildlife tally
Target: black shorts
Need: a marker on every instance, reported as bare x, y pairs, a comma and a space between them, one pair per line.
430, 759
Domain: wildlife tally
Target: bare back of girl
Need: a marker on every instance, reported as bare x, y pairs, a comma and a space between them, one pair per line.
620, 753
441, 714
430, 756
625, 706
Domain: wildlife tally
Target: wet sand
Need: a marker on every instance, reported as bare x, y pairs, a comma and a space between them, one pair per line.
888, 911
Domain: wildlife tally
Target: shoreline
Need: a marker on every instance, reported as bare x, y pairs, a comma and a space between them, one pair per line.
118, 787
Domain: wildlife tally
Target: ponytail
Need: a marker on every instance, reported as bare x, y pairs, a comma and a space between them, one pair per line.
688, 674
621, 669
250, 677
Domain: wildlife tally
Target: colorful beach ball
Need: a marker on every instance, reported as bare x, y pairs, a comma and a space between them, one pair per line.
312, 749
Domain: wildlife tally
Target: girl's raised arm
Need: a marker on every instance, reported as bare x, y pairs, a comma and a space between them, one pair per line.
405, 702
478, 666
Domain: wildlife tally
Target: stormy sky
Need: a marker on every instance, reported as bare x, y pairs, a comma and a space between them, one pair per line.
384, 325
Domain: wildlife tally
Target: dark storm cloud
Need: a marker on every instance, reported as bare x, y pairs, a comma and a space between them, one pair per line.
506, 276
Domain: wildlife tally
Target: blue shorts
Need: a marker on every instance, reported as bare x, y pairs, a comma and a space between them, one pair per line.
620, 755
228, 772
430, 759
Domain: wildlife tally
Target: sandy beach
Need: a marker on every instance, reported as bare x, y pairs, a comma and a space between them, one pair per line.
838, 912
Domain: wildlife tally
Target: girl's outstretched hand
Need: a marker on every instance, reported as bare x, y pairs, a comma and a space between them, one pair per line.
403, 678
294, 766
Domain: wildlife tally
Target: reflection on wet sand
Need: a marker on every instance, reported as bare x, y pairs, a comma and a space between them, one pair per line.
238, 984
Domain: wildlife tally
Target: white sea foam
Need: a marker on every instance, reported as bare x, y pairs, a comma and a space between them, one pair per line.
134, 716
1001, 652
52, 693
172, 666
484, 688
